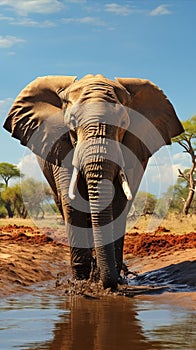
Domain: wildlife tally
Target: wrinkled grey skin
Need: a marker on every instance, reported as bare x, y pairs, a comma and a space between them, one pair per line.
98, 219
106, 143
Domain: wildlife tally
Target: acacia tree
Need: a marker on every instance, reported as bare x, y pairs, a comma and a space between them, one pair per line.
13, 196
187, 141
8, 171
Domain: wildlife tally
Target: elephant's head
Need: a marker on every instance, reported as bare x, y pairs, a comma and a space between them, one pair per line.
97, 120
112, 126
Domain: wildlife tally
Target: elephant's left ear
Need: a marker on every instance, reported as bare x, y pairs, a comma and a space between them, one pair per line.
153, 120
36, 116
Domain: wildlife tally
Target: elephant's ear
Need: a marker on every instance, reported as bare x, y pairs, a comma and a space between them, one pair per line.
36, 116
153, 120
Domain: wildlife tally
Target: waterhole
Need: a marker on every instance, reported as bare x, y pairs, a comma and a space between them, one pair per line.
40, 321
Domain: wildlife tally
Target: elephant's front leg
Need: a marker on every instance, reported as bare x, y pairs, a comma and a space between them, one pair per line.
78, 226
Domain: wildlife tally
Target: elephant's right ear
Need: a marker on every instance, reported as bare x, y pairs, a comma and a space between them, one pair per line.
153, 120
36, 116
149, 100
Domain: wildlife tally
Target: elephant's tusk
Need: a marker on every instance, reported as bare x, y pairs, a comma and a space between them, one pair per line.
127, 190
125, 184
73, 183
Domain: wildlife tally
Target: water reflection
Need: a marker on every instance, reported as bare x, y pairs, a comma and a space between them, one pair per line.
28, 320
174, 327
44, 322
108, 323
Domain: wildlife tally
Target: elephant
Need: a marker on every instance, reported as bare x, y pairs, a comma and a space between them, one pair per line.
93, 138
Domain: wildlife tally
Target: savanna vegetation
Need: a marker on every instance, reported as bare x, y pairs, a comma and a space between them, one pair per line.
188, 143
25, 198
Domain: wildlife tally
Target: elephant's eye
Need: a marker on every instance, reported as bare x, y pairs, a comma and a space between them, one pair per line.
73, 123
125, 121
124, 124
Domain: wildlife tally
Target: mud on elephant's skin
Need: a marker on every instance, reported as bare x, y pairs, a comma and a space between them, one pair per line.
93, 138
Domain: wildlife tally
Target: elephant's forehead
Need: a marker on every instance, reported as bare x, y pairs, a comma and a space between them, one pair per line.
98, 87
96, 80
89, 76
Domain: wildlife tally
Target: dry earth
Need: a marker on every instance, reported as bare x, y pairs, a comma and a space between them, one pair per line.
29, 255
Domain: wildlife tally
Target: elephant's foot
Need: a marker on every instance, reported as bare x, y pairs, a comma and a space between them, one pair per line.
81, 261
111, 283
88, 270
80, 272
95, 276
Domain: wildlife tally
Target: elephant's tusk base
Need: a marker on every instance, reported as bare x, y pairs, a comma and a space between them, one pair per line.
72, 196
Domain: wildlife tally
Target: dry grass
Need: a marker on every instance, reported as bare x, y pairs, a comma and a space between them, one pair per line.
17, 221
175, 223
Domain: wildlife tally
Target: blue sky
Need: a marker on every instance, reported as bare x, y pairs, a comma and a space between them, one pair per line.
145, 39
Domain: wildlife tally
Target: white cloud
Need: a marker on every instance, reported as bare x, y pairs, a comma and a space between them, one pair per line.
5, 18
5, 104
85, 20
9, 41
182, 157
28, 22
23, 7
29, 166
91, 20
118, 9
76, 1
8, 100
160, 11
162, 170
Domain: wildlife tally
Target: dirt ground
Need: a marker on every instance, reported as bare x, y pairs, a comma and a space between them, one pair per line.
29, 255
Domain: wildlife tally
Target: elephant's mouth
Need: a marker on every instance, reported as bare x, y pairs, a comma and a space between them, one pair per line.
121, 175
99, 152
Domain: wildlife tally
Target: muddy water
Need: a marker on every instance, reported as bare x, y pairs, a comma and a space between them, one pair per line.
40, 321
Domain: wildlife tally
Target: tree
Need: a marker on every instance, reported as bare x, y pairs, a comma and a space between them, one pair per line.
9, 171
144, 203
3, 211
13, 202
187, 141
27, 197
34, 194
173, 200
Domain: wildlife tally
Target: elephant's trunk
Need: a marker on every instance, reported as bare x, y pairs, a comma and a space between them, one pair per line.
99, 178
99, 157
